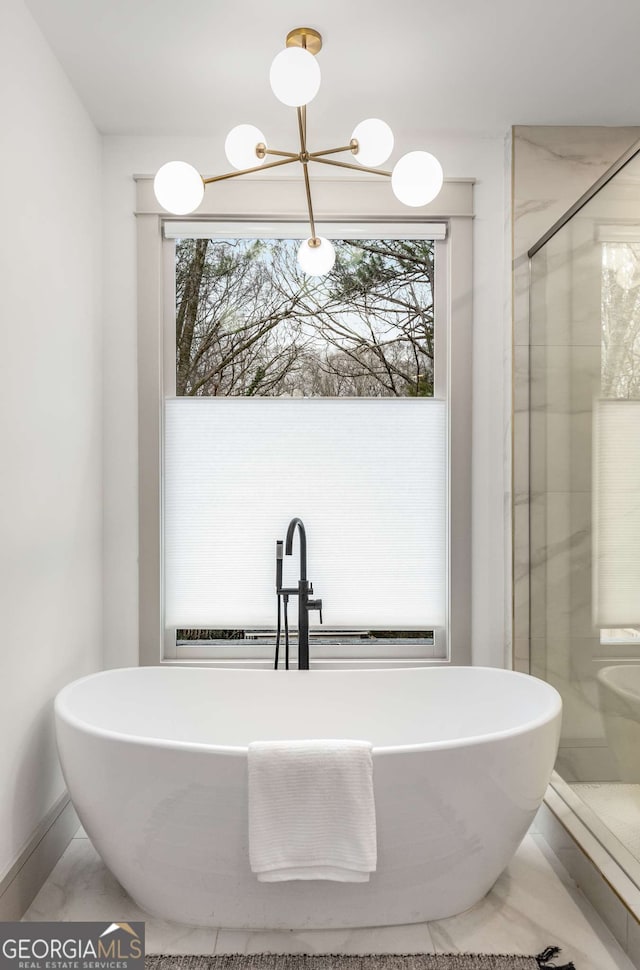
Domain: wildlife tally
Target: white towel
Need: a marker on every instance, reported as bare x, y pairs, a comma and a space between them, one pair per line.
311, 810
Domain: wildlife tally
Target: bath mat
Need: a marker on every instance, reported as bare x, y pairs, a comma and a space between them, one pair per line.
413, 961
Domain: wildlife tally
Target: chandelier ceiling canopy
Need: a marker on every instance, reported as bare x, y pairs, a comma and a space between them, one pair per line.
295, 77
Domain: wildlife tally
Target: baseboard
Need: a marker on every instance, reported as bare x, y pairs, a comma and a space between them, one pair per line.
21, 884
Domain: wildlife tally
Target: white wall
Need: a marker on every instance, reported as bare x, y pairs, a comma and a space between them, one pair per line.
50, 419
461, 157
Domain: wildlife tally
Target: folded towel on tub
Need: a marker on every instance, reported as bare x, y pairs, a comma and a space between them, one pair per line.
311, 810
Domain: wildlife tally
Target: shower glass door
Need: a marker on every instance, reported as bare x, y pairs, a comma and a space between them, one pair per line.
584, 467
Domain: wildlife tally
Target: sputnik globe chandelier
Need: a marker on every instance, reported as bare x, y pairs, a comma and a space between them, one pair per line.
416, 178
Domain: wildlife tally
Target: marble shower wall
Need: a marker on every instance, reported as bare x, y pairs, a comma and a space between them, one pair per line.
556, 373
551, 168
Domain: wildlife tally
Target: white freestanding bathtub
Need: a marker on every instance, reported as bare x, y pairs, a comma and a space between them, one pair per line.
156, 763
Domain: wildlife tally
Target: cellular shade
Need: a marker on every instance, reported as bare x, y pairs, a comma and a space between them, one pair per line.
367, 477
616, 523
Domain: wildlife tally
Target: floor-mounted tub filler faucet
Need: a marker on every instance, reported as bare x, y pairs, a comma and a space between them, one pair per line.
303, 592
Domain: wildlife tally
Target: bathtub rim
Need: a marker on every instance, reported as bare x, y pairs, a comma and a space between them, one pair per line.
606, 678
62, 711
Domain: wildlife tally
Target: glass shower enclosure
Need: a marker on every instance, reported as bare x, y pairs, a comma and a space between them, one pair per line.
584, 484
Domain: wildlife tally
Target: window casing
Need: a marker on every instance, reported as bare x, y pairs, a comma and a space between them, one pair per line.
156, 255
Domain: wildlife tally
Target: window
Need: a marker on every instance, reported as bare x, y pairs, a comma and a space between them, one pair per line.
619, 381
344, 378
250, 323
620, 311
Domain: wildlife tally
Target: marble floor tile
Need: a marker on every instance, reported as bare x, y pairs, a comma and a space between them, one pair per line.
82, 888
531, 907
414, 938
533, 904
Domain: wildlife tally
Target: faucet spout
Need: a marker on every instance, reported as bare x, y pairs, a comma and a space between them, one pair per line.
299, 524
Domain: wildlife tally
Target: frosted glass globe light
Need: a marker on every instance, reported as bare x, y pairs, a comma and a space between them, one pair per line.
375, 141
417, 178
316, 260
240, 146
295, 76
178, 187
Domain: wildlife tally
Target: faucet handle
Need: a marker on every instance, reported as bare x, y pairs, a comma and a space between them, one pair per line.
315, 605
279, 554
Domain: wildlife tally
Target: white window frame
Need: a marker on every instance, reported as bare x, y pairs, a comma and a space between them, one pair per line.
241, 211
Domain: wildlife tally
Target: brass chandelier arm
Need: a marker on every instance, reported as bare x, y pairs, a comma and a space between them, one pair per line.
307, 186
331, 151
304, 158
302, 131
273, 151
247, 171
356, 168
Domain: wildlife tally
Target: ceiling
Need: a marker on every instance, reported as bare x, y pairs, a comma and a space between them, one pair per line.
197, 67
